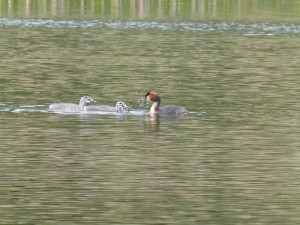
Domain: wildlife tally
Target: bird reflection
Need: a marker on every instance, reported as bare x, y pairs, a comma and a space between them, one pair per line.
152, 123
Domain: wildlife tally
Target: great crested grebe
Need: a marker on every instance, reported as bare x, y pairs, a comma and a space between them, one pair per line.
152, 96
71, 107
120, 107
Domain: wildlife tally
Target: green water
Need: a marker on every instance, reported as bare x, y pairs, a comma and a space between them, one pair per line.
233, 160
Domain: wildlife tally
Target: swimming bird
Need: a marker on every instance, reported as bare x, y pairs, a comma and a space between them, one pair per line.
71, 107
153, 96
120, 107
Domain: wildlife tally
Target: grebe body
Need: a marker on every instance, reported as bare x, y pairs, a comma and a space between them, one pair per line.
152, 96
120, 107
71, 107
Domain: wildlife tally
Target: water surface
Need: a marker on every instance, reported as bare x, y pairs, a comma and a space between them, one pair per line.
233, 160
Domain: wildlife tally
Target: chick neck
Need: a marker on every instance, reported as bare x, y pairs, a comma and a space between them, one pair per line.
82, 105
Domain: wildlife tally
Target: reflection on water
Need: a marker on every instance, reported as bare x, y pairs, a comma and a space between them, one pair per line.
147, 9
236, 163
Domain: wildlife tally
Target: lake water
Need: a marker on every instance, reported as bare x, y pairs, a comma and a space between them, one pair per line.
233, 160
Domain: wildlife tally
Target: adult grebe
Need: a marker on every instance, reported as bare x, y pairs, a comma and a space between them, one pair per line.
120, 107
71, 107
152, 96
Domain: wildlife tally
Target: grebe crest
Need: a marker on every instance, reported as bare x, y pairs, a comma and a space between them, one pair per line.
152, 96
71, 107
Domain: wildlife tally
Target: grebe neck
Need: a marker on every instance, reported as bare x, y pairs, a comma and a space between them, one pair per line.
155, 105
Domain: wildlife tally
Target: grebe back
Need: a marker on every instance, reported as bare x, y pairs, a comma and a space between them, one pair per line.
71, 107
120, 107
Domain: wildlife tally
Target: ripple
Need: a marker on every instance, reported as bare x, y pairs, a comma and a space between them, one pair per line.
41, 109
201, 27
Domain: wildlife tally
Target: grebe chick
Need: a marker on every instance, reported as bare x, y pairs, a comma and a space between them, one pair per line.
120, 107
152, 96
71, 107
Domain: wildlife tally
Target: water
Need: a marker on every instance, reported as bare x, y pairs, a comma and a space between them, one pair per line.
233, 160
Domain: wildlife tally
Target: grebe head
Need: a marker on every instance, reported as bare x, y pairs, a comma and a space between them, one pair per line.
122, 107
151, 96
86, 99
